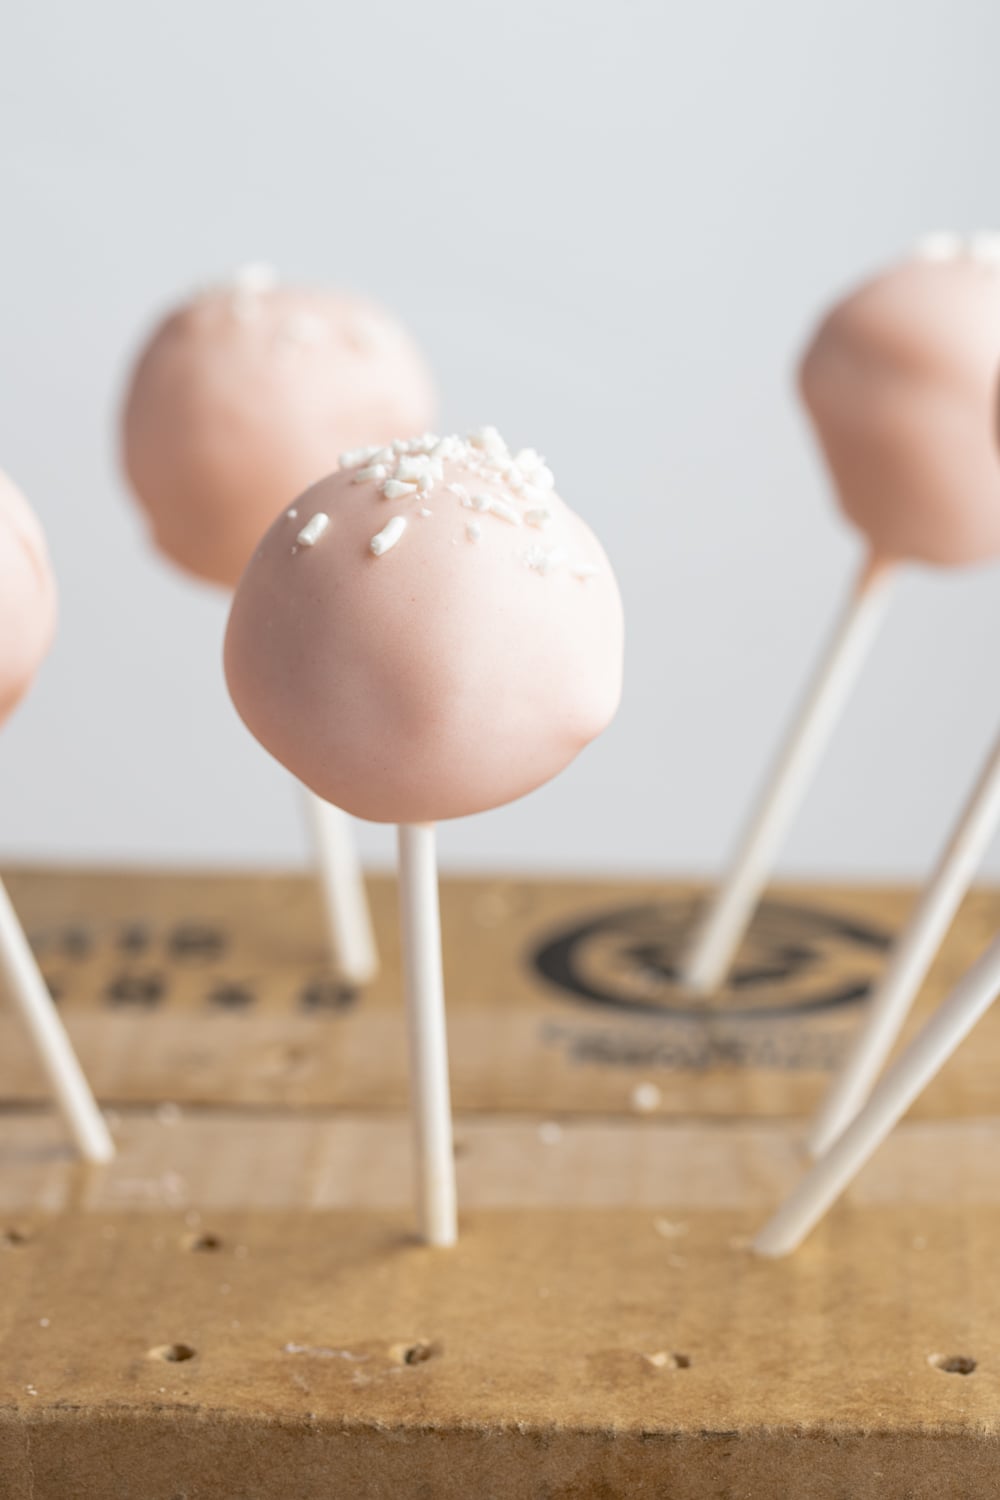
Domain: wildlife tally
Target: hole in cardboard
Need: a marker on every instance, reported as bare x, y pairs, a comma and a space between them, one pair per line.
953, 1364
668, 1359
328, 994
416, 1353
13, 1239
201, 1242
173, 1354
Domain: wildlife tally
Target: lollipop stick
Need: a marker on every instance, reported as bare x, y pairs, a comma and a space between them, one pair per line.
905, 1080
28, 989
911, 959
348, 918
424, 984
719, 934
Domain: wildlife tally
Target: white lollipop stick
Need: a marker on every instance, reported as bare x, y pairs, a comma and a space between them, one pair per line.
719, 934
348, 917
30, 993
424, 984
911, 958
905, 1080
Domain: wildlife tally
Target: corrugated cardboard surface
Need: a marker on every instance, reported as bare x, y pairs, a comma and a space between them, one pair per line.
601, 1330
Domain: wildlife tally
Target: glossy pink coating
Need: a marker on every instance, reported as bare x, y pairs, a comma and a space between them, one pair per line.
27, 597
900, 382
245, 396
456, 667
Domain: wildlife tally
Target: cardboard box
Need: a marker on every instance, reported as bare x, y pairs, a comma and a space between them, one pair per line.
236, 1308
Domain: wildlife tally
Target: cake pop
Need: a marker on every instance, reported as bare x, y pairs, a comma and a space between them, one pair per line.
848, 1129
240, 399
247, 394
427, 633
27, 622
898, 381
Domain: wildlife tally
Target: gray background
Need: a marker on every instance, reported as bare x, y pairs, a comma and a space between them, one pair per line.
611, 226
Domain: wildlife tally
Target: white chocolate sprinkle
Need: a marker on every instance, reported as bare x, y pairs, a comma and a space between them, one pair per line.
394, 489
423, 511
583, 571
388, 536
544, 560
291, 514
355, 456
473, 531
254, 278
412, 468
939, 245
539, 516
527, 460
313, 529
506, 512
490, 441
371, 471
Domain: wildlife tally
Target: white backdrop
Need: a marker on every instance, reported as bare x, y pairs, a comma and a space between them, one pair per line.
611, 226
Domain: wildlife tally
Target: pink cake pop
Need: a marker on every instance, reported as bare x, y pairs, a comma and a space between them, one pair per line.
27, 623
239, 400
859, 1113
899, 381
246, 395
429, 632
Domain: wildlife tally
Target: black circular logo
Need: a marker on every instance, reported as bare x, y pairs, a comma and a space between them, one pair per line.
795, 960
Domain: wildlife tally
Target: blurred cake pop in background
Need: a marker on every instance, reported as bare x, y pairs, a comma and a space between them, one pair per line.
240, 399
898, 380
247, 394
